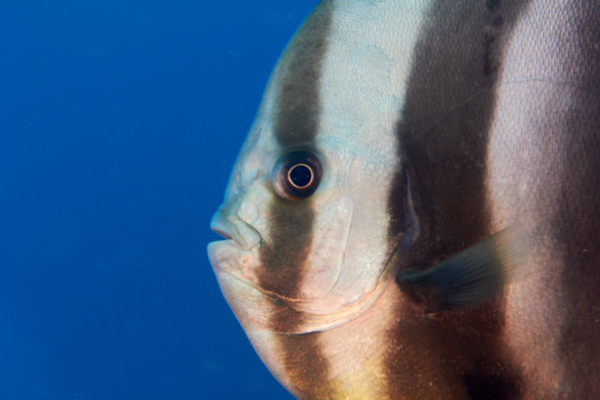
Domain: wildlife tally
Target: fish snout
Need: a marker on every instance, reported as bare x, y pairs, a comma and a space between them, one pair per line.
232, 227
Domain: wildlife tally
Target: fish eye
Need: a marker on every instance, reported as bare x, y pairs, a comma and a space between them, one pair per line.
297, 175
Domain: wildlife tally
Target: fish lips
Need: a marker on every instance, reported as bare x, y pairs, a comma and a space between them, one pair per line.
231, 227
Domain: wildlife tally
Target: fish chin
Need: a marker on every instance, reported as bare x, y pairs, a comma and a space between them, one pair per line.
226, 256
233, 267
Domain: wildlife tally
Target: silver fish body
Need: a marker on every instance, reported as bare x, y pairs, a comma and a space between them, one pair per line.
392, 136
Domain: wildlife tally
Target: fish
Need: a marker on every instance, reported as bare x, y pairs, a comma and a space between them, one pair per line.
415, 212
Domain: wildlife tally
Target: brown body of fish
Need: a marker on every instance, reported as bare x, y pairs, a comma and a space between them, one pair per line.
434, 124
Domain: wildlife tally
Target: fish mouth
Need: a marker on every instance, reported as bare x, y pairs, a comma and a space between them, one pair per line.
234, 229
235, 256
223, 233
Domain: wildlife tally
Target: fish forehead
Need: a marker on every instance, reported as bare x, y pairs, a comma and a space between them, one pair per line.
342, 91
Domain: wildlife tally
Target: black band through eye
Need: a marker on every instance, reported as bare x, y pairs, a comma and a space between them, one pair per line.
297, 175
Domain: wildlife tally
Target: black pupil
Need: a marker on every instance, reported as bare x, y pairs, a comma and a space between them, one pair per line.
300, 175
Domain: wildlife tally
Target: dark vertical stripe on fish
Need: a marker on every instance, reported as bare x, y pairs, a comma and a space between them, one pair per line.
298, 107
296, 125
576, 225
305, 366
443, 134
297, 116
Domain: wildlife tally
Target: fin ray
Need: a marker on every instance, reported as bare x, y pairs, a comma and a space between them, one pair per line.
472, 277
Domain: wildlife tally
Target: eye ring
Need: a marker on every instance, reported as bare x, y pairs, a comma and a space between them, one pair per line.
297, 175
293, 180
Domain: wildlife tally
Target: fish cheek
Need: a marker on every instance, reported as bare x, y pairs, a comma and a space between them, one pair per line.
284, 254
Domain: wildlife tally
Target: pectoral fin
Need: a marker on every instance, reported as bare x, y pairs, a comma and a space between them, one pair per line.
472, 277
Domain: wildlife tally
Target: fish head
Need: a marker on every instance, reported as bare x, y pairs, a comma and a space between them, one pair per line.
309, 217
319, 259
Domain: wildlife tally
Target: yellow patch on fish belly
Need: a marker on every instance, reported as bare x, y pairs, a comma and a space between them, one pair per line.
356, 351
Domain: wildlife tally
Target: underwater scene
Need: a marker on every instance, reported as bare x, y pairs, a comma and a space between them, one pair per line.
319, 200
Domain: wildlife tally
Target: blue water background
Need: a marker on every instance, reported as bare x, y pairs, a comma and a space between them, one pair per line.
119, 123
